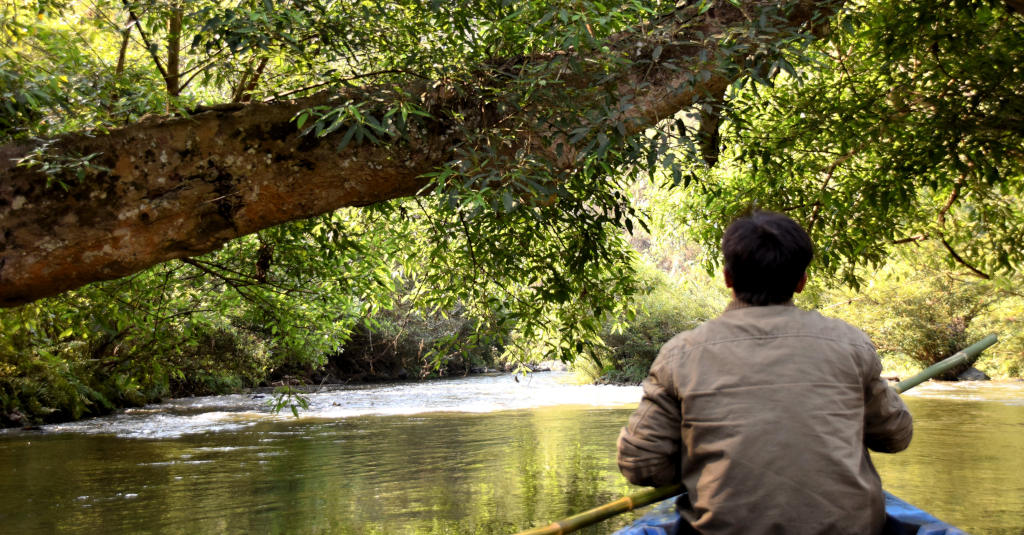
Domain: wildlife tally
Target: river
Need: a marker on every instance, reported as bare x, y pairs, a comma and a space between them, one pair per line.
477, 455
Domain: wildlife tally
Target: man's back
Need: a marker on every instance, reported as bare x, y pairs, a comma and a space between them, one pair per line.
764, 414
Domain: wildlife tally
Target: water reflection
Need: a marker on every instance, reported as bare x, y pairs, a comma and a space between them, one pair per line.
966, 462
436, 473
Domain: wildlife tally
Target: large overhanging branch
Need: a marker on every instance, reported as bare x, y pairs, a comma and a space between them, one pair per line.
172, 188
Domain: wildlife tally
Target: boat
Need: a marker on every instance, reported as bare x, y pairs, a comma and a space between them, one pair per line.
902, 518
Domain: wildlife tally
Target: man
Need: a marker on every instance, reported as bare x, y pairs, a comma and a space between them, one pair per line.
765, 413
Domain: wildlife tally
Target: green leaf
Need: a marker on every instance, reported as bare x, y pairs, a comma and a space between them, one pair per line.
507, 201
347, 137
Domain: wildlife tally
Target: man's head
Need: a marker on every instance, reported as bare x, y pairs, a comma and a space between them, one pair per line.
766, 258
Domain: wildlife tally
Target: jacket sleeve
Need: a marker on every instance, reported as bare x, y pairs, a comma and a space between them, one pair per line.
649, 446
888, 426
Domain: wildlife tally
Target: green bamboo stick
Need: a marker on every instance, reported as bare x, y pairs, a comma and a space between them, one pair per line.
649, 496
608, 510
964, 356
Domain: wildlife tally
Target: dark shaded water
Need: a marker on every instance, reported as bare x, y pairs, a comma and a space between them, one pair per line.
436, 473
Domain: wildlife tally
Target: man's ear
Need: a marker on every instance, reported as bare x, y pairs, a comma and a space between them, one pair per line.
728, 278
800, 285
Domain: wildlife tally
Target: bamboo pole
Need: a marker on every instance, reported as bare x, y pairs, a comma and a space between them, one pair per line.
964, 356
608, 510
649, 496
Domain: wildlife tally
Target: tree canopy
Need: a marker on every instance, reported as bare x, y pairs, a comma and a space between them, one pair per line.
198, 195
908, 128
502, 108
141, 131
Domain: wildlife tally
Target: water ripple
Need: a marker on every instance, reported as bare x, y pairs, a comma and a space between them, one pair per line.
475, 394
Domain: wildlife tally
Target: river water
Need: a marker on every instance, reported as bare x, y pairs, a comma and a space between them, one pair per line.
477, 455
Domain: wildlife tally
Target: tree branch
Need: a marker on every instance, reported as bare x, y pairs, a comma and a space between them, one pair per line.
963, 262
173, 78
123, 52
249, 81
1015, 6
953, 196
179, 187
911, 239
134, 21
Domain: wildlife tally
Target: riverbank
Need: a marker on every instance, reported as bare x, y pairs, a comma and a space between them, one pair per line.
53, 391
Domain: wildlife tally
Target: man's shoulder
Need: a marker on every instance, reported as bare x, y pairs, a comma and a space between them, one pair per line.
676, 347
683, 342
756, 322
834, 328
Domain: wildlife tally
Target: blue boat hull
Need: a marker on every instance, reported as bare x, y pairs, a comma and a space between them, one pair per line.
902, 519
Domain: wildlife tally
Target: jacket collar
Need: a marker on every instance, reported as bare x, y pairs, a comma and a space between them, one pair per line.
736, 304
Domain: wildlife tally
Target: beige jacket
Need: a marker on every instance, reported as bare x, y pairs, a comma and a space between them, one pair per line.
765, 414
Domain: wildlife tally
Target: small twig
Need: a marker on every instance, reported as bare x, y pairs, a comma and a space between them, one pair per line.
469, 244
133, 20
226, 195
344, 79
963, 262
292, 92
237, 284
816, 211
248, 81
941, 219
911, 239
843, 303
199, 69
122, 54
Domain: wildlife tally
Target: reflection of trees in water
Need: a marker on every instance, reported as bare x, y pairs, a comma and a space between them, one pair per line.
447, 473
964, 463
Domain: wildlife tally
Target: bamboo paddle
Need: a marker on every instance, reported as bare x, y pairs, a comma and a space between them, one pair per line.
649, 496
608, 510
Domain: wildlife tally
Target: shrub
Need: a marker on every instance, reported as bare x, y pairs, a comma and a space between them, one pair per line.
1005, 318
668, 304
921, 311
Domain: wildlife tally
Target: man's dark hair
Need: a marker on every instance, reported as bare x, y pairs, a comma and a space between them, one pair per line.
766, 254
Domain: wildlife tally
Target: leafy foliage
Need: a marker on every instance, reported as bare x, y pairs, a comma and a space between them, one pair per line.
502, 207
903, 128
667, 304
899, 128
917, 313
202, 325
286, 396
